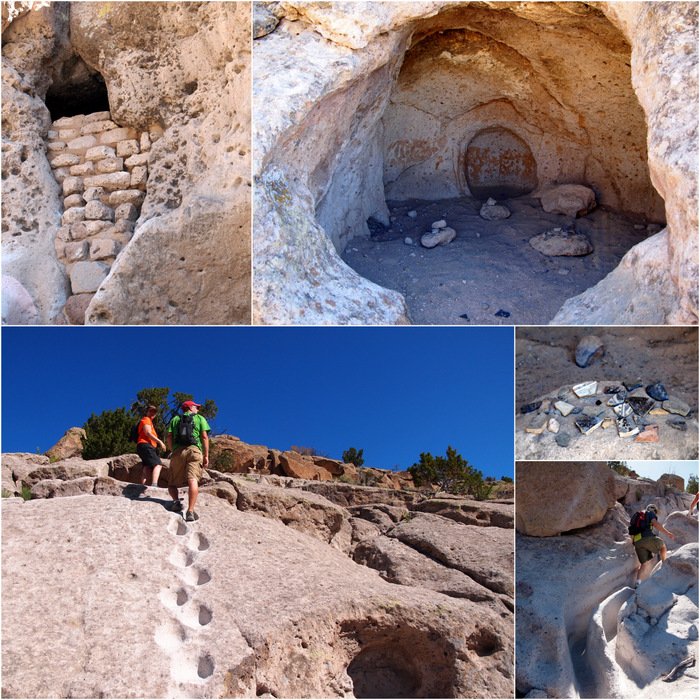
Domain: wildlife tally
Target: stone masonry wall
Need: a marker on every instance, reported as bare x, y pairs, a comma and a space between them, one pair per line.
102, 169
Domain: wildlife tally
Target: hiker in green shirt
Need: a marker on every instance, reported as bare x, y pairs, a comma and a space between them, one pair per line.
189, 442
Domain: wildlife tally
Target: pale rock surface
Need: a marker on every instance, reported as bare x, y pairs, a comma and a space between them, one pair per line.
322, 175
570, 591
585, 491
188, 69
493, 212
684, 528
570, 200
17, 305
292, 616
35, 41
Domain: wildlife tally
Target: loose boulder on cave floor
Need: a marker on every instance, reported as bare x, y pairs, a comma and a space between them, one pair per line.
490, 265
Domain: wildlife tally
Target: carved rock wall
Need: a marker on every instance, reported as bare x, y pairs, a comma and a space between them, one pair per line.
568, 84
183, 69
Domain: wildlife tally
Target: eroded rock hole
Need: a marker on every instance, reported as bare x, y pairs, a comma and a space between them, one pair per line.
384, 670
490, 104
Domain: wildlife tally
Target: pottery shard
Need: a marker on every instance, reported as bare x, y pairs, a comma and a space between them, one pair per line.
86, 277
570, 200
676, 406
585, 491
562, 243
438, 237
100, 153
111, 182
297, 466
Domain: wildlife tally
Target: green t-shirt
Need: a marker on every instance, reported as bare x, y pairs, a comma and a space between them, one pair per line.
199, 426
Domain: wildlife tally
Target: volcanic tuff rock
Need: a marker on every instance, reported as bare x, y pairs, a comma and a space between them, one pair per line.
240, 604
570, 588
356, 106
183, 67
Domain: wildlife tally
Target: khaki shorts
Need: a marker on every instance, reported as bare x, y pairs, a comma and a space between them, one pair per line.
647, 547
185, 463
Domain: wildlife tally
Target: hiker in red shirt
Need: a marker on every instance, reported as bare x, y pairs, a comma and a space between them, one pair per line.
146, 449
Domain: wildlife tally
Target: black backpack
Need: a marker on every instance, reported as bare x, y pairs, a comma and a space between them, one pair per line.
134, 432
638, 522
184, 434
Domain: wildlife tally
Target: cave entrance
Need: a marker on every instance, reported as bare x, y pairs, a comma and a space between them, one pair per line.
500, 164
76, 89
496, 103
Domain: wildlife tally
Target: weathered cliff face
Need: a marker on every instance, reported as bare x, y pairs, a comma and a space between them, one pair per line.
181, 69
430, 99
284, 587
580, 630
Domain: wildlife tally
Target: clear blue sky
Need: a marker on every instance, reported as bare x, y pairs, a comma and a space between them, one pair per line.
394, 392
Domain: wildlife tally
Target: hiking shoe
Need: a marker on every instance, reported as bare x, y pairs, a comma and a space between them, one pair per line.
176, 506
191, 516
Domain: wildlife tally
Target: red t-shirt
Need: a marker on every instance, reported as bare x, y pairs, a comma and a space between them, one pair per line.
142, 433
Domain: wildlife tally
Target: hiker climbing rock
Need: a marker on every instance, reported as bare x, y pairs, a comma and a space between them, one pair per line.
645, 542
188, 439
146, 445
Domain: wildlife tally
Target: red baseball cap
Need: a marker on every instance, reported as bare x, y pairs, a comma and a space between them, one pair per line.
188, 404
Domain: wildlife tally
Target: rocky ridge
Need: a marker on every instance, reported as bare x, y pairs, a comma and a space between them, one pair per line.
364, 589
586, 632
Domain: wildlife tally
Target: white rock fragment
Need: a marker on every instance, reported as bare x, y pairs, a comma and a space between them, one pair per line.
439, 224
413, 213
563, 407
585, 389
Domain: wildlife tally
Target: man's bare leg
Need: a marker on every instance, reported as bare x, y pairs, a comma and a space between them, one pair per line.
193, 492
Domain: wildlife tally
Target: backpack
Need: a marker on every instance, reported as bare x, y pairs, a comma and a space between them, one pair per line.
135, 432
638, 522
184, 434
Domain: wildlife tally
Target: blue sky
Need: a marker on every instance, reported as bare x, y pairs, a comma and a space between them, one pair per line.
394, 392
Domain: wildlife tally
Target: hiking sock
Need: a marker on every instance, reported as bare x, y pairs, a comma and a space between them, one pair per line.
154, 484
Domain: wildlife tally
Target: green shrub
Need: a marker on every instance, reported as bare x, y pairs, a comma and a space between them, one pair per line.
620, 467
353, 456
638, 494
26, 493
692, 486
6, 493
223, 461
451, 473
507, 479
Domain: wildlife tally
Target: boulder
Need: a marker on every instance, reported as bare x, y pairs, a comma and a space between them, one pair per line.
570, 200
469, 512
301, 467
585, 491
683, 527
672, 480
68, 469
493, 212
562, 243
70, 445
438, 237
